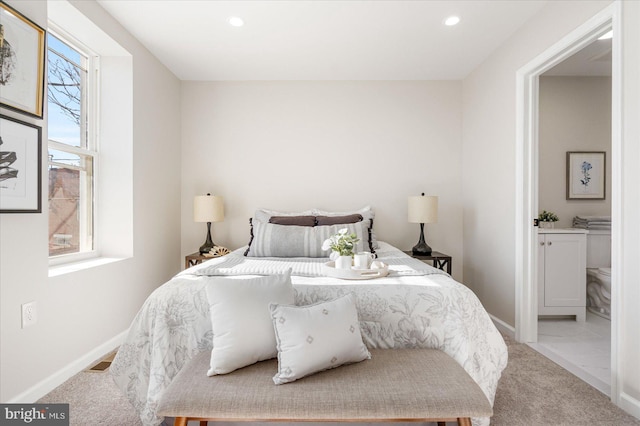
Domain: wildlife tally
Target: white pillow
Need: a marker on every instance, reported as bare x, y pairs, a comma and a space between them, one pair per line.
316, 337
240, 318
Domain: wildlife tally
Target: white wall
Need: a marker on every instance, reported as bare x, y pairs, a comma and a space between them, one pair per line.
489, 101
575, 115
489, 171
332, 145
78, 312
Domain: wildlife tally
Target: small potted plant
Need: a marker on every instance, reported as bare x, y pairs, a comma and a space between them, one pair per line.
341, 245
547, 219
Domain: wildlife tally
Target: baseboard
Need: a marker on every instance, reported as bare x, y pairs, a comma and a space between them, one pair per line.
503, 327
42, 388
629, 404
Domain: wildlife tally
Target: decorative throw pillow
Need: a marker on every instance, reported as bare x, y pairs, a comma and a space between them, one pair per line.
294, 220
240, 318
316, 337
337, 220
271, 240
367, 214
263, 215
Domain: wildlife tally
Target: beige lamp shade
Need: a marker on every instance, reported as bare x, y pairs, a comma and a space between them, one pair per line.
423, 209
208, 208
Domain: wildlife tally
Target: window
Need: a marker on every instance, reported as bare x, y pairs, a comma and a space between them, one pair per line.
72, 147
90, 143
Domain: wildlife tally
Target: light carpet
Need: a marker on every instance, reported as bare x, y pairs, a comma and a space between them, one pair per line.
532, 391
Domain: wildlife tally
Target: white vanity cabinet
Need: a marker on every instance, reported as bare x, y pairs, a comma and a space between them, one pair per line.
562, 272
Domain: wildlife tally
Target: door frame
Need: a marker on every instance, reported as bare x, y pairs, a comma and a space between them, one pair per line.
527, 162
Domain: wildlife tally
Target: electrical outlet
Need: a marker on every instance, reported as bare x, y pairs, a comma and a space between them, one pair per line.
29, 314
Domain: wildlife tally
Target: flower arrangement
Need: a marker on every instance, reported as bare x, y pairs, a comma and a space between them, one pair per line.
546, 216
342, 243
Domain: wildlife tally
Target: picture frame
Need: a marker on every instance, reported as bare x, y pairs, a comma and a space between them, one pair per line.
586, 175
22, 55
20, 166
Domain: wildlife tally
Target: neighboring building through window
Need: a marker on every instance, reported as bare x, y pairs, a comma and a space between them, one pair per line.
72, 147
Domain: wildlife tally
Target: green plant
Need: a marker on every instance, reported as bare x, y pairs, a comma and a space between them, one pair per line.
342, 243
546, 216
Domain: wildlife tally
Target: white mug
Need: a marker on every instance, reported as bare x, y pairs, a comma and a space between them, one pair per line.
362, 260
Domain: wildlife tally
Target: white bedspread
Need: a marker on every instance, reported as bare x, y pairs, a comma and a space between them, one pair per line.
415, 306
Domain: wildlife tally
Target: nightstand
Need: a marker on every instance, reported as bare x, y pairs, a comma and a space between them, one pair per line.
193, 259
440, 260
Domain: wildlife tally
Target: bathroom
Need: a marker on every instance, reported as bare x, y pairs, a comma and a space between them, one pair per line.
574, 129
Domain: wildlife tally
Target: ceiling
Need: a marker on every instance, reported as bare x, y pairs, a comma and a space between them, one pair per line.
321, 40
591, 61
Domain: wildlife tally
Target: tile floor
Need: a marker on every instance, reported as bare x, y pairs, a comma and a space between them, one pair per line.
583, 348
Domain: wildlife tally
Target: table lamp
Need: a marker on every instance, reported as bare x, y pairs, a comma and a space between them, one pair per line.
422, 210
208, 208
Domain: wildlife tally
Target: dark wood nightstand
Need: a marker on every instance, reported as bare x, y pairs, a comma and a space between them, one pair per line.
440, 260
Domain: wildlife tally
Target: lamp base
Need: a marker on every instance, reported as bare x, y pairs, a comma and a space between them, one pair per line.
208, 244
206, 248
422, 248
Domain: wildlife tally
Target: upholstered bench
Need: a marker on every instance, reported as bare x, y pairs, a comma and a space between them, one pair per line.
394, 385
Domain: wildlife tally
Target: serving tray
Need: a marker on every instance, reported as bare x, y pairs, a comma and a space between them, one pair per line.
330, 270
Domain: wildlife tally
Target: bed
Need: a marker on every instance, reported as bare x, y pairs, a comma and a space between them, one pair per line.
415, 306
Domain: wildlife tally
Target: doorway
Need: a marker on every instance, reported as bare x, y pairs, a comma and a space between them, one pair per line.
527, 174
574, 126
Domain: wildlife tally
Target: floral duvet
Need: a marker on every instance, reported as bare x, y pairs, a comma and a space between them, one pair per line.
416, 306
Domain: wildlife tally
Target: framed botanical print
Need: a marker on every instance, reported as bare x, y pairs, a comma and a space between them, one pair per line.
586, 175
22, 51
20, 166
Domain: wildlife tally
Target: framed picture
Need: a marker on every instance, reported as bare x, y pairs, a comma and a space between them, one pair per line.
20, 166
586, 175
22, 52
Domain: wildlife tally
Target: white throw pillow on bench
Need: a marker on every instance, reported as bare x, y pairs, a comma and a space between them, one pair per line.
241, 321
316, 337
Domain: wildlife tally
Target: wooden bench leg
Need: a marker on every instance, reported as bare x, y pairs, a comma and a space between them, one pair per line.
180, 421
464, 421
442, 423
184, 421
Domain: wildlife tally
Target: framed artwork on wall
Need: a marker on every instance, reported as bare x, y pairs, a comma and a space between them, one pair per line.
22, 52
20, 166
586, 175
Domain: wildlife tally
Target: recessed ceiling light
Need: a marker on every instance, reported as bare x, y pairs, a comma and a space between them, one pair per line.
235, 21
606, 36
451, 21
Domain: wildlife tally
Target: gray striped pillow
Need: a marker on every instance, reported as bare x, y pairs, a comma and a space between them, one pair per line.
272, 240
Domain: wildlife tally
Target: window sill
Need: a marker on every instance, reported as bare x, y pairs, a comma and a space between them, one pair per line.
67, 268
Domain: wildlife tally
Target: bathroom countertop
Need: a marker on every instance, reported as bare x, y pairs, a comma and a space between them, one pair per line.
562, 231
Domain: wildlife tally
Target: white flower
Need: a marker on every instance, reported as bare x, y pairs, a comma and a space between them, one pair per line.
343, 243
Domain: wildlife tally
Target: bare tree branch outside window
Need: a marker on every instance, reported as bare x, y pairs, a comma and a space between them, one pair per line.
64, 87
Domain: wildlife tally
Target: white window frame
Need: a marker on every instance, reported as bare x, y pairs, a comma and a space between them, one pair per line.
89, 241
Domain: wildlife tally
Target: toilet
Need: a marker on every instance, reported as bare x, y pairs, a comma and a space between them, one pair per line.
599, 272
599, 291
